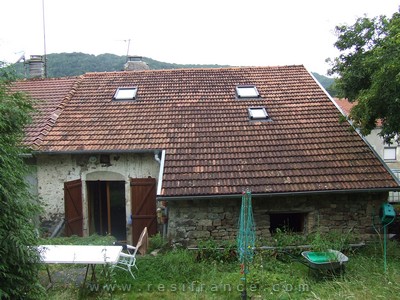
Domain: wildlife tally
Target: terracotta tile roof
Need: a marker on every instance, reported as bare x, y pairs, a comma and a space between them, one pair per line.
49, 95
212, 148
346, 107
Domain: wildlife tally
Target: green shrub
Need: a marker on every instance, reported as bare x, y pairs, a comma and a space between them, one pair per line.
331, 240
210, 250
157, 242
284, 238
19, 262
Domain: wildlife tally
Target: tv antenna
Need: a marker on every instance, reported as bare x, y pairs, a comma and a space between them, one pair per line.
21, 58
44, 42
127, 51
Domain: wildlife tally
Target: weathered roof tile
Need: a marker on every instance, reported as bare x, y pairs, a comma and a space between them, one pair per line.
211, 145
49, 96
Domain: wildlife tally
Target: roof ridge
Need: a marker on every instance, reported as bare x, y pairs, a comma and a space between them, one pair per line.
48, 78
48, 126
197, 69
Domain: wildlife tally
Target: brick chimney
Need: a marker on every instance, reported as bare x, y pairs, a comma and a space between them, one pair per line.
36, 66
135, 63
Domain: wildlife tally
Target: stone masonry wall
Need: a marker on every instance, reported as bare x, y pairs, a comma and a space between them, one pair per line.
194, 220
54, 170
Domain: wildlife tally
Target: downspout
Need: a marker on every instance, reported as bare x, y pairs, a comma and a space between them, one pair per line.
156, 157
159, 185
161, 172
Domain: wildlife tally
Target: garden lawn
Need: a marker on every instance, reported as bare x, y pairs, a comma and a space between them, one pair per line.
179, 274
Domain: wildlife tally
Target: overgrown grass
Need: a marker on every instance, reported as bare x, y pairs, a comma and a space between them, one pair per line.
179, 274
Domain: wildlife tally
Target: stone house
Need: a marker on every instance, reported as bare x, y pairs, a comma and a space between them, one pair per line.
109, 148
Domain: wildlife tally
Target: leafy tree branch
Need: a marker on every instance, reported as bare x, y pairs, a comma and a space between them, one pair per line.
369, 72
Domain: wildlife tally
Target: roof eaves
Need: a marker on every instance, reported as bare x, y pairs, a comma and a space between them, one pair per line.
282, 194
38, 151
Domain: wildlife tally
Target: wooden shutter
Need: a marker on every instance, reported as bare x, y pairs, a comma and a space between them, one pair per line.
143, 204
73, 208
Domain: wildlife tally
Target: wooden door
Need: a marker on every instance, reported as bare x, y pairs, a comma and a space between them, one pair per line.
73, 208
143, 206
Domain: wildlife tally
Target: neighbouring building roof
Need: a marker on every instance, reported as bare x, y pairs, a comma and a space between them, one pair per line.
48, 95
346, 106
212, 145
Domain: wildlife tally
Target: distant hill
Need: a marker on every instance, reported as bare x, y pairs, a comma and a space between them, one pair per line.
74, 64
327, 83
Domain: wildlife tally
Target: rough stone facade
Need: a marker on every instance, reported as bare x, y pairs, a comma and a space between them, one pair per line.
54, 170
195, 220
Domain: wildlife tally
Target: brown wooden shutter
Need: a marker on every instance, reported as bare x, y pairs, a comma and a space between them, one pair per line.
73, 208
143, 205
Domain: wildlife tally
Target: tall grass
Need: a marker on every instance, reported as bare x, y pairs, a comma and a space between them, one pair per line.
179, 274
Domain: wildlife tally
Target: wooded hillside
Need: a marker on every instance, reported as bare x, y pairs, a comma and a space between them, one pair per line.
73, 64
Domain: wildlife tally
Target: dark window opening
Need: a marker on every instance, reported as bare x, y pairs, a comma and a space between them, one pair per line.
105, 159
291, 222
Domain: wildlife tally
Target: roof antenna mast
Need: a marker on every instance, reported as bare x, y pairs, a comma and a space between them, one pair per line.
127, 52
44, 42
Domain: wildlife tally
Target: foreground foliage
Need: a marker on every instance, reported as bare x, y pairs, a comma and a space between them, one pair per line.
18, 262
368, 69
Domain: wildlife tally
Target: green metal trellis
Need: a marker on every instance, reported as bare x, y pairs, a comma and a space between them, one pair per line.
246, 238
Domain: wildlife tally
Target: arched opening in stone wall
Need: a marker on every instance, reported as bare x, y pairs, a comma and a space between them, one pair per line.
106, 204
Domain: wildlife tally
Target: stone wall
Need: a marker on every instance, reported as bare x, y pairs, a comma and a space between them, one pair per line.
54, 170
193, 220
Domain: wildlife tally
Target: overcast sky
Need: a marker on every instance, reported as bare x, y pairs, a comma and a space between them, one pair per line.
226, 32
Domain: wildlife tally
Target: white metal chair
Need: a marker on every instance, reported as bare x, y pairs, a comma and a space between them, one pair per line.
128, 260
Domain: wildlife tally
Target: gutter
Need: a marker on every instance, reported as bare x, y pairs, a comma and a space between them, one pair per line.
239, 196
96, 151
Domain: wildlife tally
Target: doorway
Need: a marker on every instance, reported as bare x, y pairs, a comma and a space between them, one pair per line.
107, 213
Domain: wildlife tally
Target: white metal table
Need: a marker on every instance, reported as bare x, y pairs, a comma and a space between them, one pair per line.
79, 254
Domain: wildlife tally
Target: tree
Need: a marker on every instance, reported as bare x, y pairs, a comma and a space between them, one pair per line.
19, 263
369, 72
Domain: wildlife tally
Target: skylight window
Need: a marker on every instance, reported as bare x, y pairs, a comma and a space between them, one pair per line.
247, 91
128, 93
258, 113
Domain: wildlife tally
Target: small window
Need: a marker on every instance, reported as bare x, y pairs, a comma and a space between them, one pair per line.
291, 222
105, 159
258, 113
247, 91
125, 93
389, 153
